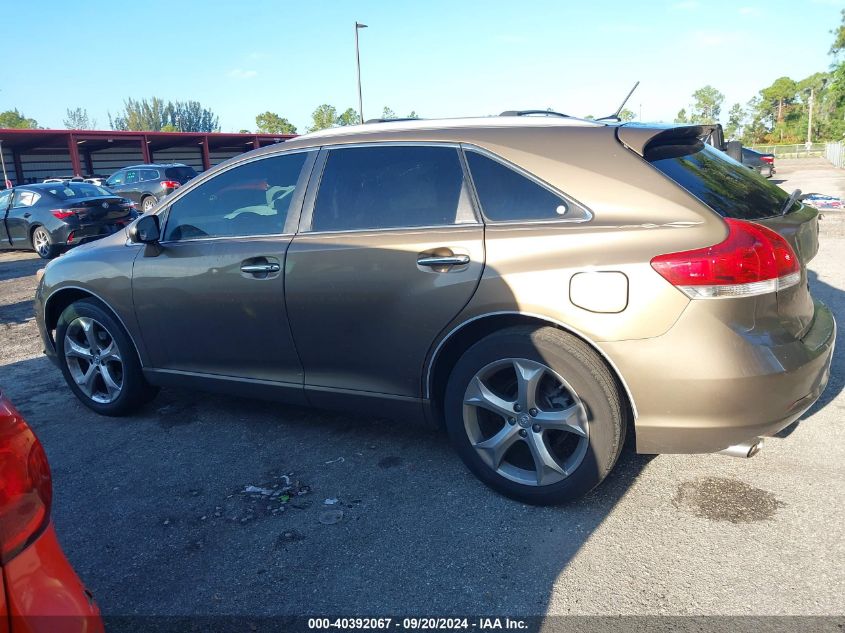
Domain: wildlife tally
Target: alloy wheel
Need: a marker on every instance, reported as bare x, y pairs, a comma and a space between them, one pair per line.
148, 204
41, 241
94, 360
525, 421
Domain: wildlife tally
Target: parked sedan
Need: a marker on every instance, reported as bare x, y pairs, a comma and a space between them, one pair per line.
764, 164
51, 217
39, 591
541, 287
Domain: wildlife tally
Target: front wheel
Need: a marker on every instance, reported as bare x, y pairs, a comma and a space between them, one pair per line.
535, 414
98, 360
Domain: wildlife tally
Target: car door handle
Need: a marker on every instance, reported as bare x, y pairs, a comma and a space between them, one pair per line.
443, 260
26, 215
258, 269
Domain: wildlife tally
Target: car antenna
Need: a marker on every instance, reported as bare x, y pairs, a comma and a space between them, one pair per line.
615, 115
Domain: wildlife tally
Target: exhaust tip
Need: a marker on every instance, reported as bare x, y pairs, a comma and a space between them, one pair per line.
745, 449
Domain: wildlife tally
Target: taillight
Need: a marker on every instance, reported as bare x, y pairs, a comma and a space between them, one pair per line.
26, 489
64, 214
768, 159
753, 260
70, 237
170, 184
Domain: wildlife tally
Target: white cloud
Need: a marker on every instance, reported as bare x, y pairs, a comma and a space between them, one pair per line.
240, 73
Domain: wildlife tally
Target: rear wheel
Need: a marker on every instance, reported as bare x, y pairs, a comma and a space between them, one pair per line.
535, 414
98, 360
42, 243
147, 204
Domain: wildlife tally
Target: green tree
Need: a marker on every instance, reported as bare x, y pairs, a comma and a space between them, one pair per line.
387, 113
325, 116
272, 123
682, 117
348, 117
778, 97
627, 115
14, 119
707, 105
78, 119
154, 114
413, 115
839, 37
733, 128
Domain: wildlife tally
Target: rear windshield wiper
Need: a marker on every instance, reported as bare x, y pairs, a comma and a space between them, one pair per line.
790, 201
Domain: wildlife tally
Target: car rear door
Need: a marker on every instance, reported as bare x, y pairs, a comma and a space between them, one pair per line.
19, 217
210, 298
390, 249
5, 201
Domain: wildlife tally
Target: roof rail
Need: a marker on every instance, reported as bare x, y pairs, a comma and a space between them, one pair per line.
531, 112
391, 120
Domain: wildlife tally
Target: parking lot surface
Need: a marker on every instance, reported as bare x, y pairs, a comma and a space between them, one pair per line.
178, 510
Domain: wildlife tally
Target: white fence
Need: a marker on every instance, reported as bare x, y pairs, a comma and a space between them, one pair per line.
835, 153
800, 150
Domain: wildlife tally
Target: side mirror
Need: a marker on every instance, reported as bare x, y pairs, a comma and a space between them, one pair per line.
146, 230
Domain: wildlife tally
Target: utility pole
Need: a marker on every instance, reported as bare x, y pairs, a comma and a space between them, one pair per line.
810, 119
358, 25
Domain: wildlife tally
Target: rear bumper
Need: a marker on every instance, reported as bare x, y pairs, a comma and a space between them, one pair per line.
73, 236
44, 593
700, 392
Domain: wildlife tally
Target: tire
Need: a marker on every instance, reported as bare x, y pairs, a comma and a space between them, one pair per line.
108, 380
579, 415
148, 203
42, 243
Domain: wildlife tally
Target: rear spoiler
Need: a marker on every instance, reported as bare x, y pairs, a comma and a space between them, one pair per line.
638, 137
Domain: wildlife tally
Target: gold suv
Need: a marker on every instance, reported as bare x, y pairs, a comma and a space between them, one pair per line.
541, 286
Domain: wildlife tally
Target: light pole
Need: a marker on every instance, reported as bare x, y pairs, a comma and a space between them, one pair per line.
358, 25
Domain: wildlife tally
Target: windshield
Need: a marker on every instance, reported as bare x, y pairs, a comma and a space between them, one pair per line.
729, 188
78, 190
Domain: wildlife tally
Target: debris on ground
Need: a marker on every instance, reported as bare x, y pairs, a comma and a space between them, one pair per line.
330, 502
339, 460
330, 517
254, 501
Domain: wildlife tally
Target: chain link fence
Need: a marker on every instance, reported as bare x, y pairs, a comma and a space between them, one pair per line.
799, 150
835, 153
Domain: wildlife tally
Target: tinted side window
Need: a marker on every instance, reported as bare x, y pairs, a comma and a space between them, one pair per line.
508, 196
149, 174
25, 198
131, 176
252, 199
391, 187
116, 179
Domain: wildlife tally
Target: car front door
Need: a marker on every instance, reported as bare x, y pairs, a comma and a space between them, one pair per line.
117, 181
5, 202
132, 185
390, 250
210, 298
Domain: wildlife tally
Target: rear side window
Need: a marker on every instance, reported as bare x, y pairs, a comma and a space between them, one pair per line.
24, 198
726, 186
149, 174
384, 187
509, 196
182, 174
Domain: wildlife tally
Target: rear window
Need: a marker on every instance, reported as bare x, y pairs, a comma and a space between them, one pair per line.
726, 186
84, 190
182, 174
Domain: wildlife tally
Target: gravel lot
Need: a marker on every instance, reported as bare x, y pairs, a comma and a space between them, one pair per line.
152, 514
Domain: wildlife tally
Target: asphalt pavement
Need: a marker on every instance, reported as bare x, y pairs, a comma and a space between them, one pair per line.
204, 504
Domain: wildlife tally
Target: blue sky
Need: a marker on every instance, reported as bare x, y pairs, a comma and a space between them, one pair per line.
437, 57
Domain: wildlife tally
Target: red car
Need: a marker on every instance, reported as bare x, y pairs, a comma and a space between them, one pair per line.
39, 591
